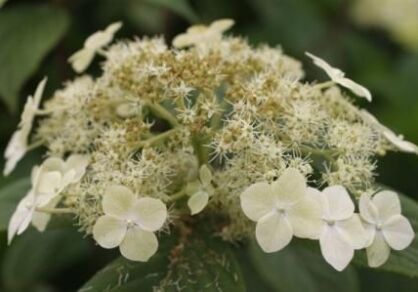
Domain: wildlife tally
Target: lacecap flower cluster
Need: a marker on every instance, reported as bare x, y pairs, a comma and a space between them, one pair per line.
209, 127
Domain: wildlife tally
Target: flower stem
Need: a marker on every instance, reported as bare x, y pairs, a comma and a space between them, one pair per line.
35, 144
55, 210
163, 113
323, 85
156, 139
180, 194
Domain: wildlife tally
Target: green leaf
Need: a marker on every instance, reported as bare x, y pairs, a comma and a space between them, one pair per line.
403, 262
297, 269
10, 195
200, 264
34, 257
205, 264
27, 33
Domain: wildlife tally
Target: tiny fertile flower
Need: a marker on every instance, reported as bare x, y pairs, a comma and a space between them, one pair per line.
282, 209
200, 191
18, 144
342, 231
386, 227
202, 34
129, 223
81, 59
396, 140
338, 77
48, 181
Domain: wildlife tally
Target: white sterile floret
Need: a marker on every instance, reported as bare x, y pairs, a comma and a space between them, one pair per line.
338, 77
202, 34
129, 223
81, 59
200, 191
282, 209
18, 145
342, 231
386, 227
395, 140
48, 181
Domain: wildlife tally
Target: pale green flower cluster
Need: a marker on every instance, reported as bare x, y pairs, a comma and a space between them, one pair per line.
398, 17
210, 126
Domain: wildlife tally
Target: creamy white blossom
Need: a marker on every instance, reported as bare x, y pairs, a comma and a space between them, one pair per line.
200, 191
282, 209
338, 77
202, 34
396, 140
129, 222
81, 59
48, 181
18, 144
386, 227
342, 231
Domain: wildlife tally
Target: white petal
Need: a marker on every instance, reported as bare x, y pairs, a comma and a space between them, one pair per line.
398, 232
290, 187
337, 76
81, 59
370, 230
182, 40
15, 150
257, 200
222, 25
305, 217
352, 231
273, 232
337, 204
39, 92
109, 232
356, 88
48, 183
335, 250
368, 210
40, 220
79, 164
21, 217
53, 164
149, 213
139, 245
399, 142
103, 37
387, 204
378, 252
118, 201
205, 175
198, 202
334, 73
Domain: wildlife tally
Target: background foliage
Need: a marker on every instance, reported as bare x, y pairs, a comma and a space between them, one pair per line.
36, 38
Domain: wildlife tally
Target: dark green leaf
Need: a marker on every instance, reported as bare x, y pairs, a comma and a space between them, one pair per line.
297, 269
197, 265
124, 275
34, 257
10, 195
205, 264
27, 34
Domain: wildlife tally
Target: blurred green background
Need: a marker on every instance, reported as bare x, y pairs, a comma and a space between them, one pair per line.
37, 37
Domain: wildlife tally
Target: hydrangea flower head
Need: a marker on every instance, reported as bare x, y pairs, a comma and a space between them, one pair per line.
208, 125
